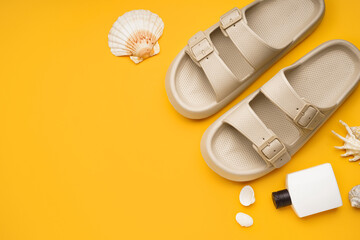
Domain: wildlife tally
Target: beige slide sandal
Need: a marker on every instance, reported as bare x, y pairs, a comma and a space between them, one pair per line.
219, 63
263, 131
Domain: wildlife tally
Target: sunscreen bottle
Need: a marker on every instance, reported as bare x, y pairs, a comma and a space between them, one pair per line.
310, 191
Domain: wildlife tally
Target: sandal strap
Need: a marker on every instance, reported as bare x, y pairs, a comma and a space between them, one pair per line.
281, 93
265, 142
203, 53
254, 49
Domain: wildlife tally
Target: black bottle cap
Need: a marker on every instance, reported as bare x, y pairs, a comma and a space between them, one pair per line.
281, 198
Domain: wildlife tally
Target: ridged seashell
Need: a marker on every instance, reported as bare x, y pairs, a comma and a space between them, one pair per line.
136, 34
354, 196
244, 219
247, 196
352, 142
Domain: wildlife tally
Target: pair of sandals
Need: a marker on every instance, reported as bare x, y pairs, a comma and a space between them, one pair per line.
263, 131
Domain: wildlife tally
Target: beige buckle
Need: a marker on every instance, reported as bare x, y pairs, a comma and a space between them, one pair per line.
308, 117
230, 18
272, 150
199, 47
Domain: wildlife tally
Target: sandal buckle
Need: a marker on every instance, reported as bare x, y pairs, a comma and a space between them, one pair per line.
308, 117
273, 151
199, 47
230, 18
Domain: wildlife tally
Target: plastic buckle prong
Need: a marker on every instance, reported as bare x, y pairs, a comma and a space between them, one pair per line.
277, 153
199, 47
231, 17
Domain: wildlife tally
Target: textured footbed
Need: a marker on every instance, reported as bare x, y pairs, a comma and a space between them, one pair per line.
322, 80
268, 21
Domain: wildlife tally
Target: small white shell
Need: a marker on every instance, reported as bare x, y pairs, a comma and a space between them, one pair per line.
247, 196
352, 142
136, 34
354, 196
244, 219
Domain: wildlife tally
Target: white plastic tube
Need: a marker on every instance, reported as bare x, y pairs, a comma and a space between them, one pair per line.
310, 191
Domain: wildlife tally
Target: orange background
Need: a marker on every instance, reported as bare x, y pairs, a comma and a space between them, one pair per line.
91, 148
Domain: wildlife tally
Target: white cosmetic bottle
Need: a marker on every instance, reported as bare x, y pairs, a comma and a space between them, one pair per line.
310, 191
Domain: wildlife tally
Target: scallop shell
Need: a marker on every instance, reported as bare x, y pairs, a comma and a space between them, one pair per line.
136, 34
247, 196
354, 196
244, 219
351, 142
